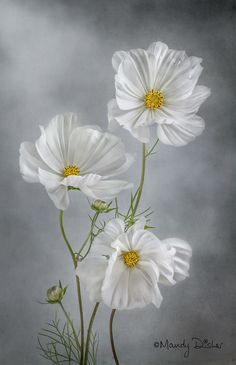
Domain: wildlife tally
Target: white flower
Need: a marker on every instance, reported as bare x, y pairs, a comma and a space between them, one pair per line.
158, 86
70, 155
124, 268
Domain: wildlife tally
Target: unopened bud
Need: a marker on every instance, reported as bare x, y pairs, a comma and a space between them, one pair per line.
100, 206
55, 294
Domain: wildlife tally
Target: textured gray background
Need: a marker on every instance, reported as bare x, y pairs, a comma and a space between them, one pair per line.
55, 57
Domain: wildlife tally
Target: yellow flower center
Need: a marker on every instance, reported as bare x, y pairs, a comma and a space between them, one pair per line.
154, 99
71, 170
131, 258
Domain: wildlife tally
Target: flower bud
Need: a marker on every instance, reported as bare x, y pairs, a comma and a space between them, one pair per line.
100, 206
55, 294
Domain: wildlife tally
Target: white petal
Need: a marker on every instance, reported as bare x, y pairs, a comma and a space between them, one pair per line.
91, 272
128, 97
144, 241
141, 133
129, 160
151, 273
50, 158
134, 71
56, 191
114, 288
149, 247
114, 228
159, 49
102, 243
98, 153
107, 189
125, 288
58, 133
180, 133
122, 243
182, 256
134, 78
128, 119
182, 82
95, 187
192, 103
30, 161
60, 197
136, 121
138, 225
166, 65
117, 58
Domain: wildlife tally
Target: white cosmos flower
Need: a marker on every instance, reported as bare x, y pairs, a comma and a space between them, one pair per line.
124, 269
158, 86
69, 154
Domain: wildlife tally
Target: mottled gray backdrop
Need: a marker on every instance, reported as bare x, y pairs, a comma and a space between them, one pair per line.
55, 56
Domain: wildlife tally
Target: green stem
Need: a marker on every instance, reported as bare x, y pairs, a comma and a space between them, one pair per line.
66, 239
89, 234
77, 284
142, 178
89, 332
71, 324
81, 319
112, 338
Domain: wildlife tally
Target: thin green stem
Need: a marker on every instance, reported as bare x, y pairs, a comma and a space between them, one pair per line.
77, 284
94, 219
66, 239
81, 319
89, 332
142, 178
112, 338
150, 152
71, 325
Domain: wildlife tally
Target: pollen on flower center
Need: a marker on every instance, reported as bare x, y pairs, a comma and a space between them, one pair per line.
131, 258
154, 99
71, 170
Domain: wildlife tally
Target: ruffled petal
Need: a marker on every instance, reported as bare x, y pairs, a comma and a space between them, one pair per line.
181, 82
159, 49
134, 78
49, 157
98, 153
107, 189
56, 191
192, 104
103, 242
181, 258
30, 161
128, 120
95, 187
91, 272
149, 247
58, 133
139, 224
151, 273
141, 133
125, 288
180, 133
117, 58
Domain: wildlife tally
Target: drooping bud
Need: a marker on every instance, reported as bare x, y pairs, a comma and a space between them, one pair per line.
100, 206
55, 294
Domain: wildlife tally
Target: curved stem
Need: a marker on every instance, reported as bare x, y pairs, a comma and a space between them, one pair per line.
89, 332
77, 284
112, 338
71, 324
89, 234
142, 178
81, 319
66, 239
